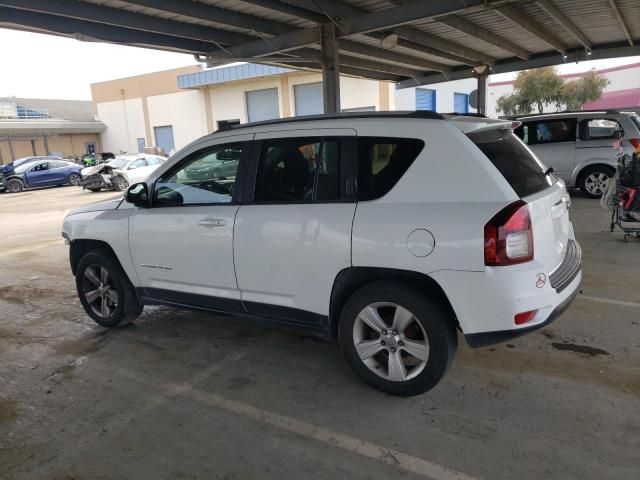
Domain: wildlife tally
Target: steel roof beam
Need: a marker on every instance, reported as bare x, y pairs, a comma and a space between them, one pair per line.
289, 9
523, 21
81, 30
545, 59
620, 18
483, 34
122, 18
353, 20
561, 18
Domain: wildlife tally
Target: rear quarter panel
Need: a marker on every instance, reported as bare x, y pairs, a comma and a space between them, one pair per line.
451, 190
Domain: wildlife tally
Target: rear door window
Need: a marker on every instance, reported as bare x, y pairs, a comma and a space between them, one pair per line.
524, 172
382, 162
600, 129
552, 131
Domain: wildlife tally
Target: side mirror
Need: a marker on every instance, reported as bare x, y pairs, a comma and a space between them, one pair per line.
138, 194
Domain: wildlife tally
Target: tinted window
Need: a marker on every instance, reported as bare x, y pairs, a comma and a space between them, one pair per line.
40, 167
298, 170
552, 131
140, 162
154, 160
199, 178
59, 164
523, 171
600, 128
381, 163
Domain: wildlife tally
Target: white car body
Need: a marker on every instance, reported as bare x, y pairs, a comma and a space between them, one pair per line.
128, 167
286, 262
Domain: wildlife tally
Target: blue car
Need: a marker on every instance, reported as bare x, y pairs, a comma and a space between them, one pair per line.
41, 173
8, 168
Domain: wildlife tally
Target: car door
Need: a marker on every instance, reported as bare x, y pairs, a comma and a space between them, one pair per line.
596, 135
293, 235
39, 175
182, 246
138, 170
59, 172
554, 142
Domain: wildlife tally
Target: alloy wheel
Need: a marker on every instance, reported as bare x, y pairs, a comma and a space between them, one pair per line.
596, 183
14, 186
74, 179
122, 183
390, 341
99, 291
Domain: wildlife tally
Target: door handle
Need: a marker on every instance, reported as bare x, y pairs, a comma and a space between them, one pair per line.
212, 222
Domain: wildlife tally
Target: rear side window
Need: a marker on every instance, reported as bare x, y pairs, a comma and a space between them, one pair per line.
382, 162
524, 172
600, 129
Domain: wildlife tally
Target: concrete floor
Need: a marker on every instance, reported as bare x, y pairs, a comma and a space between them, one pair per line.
180, 395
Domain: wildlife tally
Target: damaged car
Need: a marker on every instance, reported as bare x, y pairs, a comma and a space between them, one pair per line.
119, 173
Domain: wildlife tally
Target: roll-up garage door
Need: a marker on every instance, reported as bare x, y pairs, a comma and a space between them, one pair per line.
262, 104
308, 99
425, 99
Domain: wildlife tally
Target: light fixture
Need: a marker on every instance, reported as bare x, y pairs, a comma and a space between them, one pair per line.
389, 41
480, 69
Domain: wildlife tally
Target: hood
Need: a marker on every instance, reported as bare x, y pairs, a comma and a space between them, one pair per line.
6, 169
97, 169
98, 206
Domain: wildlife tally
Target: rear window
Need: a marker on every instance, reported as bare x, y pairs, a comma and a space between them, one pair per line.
636, 119
524, 172
382, 162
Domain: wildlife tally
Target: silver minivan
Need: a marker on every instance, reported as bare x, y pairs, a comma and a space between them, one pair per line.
578, 145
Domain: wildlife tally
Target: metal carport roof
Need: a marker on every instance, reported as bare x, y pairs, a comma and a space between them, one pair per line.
409, 42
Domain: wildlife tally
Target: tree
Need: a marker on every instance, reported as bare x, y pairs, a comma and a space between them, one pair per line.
586, 89
543, 86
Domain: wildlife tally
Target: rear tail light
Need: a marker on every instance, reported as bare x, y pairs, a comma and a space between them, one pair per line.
635, 142
508, 237
524, 317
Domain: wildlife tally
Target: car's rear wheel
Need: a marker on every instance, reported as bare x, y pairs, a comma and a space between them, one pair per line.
105, 291
74, 179
593, 180
120, 183
396, 339
14, 186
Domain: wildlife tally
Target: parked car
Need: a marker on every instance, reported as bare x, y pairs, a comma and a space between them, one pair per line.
119, 173
8, 168
578, 144
384, 231
218, 164
41, 173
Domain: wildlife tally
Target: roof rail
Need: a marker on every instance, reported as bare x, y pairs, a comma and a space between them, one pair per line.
422, 114
468, 114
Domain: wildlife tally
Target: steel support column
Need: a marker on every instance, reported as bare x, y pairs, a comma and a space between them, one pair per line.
330, 68
482, 92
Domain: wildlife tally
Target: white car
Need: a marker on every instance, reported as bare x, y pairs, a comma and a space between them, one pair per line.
119, 173
387, 232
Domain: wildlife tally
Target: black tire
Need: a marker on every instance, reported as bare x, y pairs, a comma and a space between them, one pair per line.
431, 314
126, 308
74, 179
120, 183
14, 186
588, 173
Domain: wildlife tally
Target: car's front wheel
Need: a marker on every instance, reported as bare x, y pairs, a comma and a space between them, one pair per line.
397, 339
74, 179
14, 186
105, 291
120, 183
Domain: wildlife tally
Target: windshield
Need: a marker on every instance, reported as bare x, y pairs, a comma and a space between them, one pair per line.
521, 168
23, 167
119, 162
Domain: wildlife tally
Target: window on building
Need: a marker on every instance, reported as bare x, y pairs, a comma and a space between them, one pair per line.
207, 176
425, 99
460, 103
164, 138
382, 162
299, 170
141, 144
599, 129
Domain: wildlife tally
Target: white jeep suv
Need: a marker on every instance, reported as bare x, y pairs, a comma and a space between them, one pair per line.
384, 231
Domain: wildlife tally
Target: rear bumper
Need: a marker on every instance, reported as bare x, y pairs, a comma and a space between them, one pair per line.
486, 303
485, 339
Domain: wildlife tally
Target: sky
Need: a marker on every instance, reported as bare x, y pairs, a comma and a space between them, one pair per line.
45, 66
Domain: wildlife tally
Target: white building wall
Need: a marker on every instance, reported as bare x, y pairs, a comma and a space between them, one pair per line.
125, 123
184, 111
405, 98
359, 93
